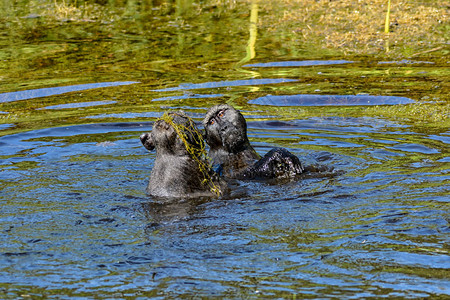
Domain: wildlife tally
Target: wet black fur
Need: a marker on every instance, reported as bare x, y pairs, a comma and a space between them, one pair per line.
176, 173
226, 135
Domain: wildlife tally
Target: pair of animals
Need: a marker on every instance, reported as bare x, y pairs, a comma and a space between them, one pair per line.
182, 169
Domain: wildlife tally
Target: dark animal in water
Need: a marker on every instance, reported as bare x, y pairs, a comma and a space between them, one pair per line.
181, 168
226, 135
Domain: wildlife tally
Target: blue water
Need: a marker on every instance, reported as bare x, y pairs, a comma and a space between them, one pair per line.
76, 222
329, 100
45, 92
79, 104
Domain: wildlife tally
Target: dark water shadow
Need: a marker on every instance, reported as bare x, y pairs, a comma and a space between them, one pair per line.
168, 211
405, 62
329, 100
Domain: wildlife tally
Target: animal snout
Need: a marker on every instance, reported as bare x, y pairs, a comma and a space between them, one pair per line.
146, 140
224, 127
144, 137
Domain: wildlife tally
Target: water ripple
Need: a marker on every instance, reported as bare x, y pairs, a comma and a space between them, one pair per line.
79, 104
329, 100
219, 84
301, 63
188, 96
45, 92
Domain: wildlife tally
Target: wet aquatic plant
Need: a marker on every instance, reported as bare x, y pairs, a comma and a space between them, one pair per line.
253, 31
193, 141
64, 10
430, 114
386, 24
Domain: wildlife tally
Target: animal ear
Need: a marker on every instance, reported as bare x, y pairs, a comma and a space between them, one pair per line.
147, 141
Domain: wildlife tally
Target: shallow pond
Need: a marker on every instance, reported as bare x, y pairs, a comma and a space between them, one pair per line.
76, 221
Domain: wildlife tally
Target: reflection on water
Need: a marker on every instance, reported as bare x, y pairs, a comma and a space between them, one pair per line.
220, 84
188, 96
301, 63
329, 100
79, 104
45, 92
405, 62
5, 126
126, 115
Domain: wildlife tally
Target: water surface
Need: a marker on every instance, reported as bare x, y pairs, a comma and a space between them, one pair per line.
76, 222
329, 100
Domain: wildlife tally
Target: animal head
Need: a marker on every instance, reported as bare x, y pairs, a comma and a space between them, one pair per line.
225, 127
181, 167
176, 134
